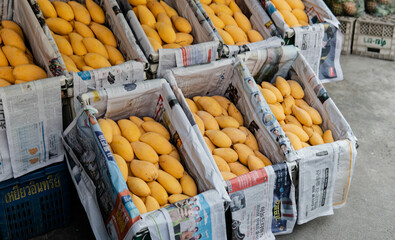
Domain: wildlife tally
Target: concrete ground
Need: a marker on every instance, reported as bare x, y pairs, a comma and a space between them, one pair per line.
366, 97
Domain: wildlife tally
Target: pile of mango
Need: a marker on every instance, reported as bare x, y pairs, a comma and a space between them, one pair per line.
149, 163
300, 122
162, 25
234, 148
292, 12
82, 39
232, 25
16, 61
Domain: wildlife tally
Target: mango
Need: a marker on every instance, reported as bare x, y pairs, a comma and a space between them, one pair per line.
289, 18
6, 74
254, 163
221, 164
254, 36
184, 39
235, 134
151, 33
269, 96
122, 166
93, 45
139, 204
11, 25
219, 138
122, 147
298, 131
295, 141
29, 72
145, 16
296, 90
166, 32
114, 55
63, 10
238, 168
228, 175
81, 14
302, 116
169, 182
177, 197
96, 12
223, 101
243, 151
4, 83
12, 38
234, 112
171, 165
314, 114
144, 170
47, 8
218, 23
281, 5
227, 19
267, 85
296, 4
157, 142
316, 139
292, 120
129, 130
115, 128
15, 55
151, 204
236, 33
156, 8
104, 34
327, 136
138, 2
227, 121
156, 127
59, 26
317, 129
250, 139
83, 30
199, 123
188, 185
78, 61
96, 60
138, 186
228, 154
106, 129
207, 8
263, 158
242, 21
144, 152
158, 192
209, 121
278, 112
233, 7
169, 10
210, 145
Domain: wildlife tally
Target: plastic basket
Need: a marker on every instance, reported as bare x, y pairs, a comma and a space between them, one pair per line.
35, 203
375, 37
347, 27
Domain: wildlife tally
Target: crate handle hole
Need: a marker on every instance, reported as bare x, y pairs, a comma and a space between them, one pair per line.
375, 50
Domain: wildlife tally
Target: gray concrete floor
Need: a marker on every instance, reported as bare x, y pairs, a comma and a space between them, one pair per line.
366, 97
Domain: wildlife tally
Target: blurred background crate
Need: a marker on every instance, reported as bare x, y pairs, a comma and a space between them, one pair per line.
347, 27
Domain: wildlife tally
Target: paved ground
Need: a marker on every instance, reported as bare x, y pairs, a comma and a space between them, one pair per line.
366, 97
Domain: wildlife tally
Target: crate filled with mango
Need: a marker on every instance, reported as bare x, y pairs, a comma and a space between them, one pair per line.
17, 64
234, 148
82, 37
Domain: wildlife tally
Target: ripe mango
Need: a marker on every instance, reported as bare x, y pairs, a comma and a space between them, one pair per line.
81, 14
278, 112
316, 139
188, 185
83, 30
169, 10
151, 33
227, 19
296, 90
171, 165
298, 131
93, 45
327, 136
114, 55
129, 130
314, 114
210, 145
207, 8
166, 32
11, 25
162, 17
254, 163
96, 12
292, 120
302, 116
234, 7
223, 101
139, 204
115, 128
177, 197
78, 61
228, 175
157, 142
235, 134
234, 112
151, 204
12, 38
242, 21
227, 121
289, 18
263, 158
219, 138
138, 2
59, 26
281, 5
219, 7
158, 192
254, 36
181, 24
267, 85
47, 8
283, 86
104, 34
154, 126
4, 83
169, 182
138, 186
209, 121
106, 129
122, 166
144, 170
236, 33
6, 74
15, 55
96, 60
144, 152
238, 168
29, 72
295, 141
63, 10
145, 16
156, 8
184, 39
317, 129
269, 96
296, 4
228, 154
218, 23
221, 164
122, 147
243, 151
199, 123
155, 44
63, 45
250, 139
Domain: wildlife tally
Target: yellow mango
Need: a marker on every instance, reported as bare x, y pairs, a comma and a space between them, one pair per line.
283, 86
4, 83
254, 36
174, 153
209, 121
308, 130
63, 10
12, 38
166, 32
158, 192
181, 24
147, 119
104, 34
302, 116
162, 17
223, 101
29, 72
144, 152
63, 45
236, 33
171, 165
129, 130
327, 136
169, 10
221, 164
316, 139
295, 141
96, 12
263, 158
268, 95
138, 2
47, 8
145, 16
287, 104
219, 138
199, 123
156, 8
254, 163
242, 43
228, 154
226, 37
314, 114
300, 15
235, 134
296, 90
318, 130
289, 18
234, 112
188, 185
304, 144
205, 2
267, 85
153, 126
177, 197
15, 56
83, 30
219, 7
292, 120
93, 45
152, 33
139, 204
96, 60
122, 147
106, 129
298, 131
227, 19
6, 74
155, 44
114, 55
210, 145
296, 4
192, 105
169, 182
243, 151
184, 39
228, 175
59, 26
87, 68
171, 45
250, 139
157, 142
281, 5
122, 166
81, 14
218, 23
207, 8
144, 170
78, 61
138, 186
238, 168
227, 121
242, 21
115, 128
151, 204
278, 112
233, 6
301, 103
11, 25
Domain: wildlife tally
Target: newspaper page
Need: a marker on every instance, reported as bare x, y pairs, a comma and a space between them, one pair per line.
284, 203
5, 161
317, 175
33, 115
199, 217
196, 54
309, 40
251, 205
